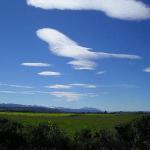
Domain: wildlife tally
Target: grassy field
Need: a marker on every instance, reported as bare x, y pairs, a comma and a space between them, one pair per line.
71, 123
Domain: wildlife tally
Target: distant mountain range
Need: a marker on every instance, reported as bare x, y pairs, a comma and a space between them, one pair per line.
34, 108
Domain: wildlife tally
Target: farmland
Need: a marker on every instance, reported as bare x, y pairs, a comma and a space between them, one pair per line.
69, 122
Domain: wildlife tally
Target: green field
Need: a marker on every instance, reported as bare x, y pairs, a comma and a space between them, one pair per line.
71, 123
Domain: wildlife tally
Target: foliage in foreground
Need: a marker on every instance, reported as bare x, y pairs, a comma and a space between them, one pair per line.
131, 136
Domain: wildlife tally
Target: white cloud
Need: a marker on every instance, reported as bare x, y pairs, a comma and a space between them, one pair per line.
15, 86
69, 96
73, 96
100, 72
120, 9
83, 57
49, 73
118, 86
41, 92
17, 92
66, 96
69, 86
147, 70
84, 85
83, 64
59, 86
36, 64
90, 86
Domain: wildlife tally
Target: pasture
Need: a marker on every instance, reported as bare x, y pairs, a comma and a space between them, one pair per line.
69, 122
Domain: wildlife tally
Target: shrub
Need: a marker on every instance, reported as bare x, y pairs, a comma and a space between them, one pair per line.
83, 140
48, 137
11, 137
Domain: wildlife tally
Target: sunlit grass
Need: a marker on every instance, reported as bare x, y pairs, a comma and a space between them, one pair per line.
69, 122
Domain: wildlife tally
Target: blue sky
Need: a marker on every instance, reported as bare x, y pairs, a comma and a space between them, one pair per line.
36, 68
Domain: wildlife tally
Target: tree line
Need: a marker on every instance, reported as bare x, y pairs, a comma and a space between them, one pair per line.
130, 136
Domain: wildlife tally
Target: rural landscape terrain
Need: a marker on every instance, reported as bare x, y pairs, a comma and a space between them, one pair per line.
70, 122
74, 131
74, 74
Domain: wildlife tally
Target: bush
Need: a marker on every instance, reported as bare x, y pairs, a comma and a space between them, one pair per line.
142, 131
83, 140
105, 140
11, 137
135, 135
48, 136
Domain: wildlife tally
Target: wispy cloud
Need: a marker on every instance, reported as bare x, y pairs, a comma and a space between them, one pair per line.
83, 58
83, 64
120, 9
69, 86
90, 86
73, 96
59, 86
84, 85
49, 73
69, 96
36, 64
100, 72
147, 70
16, 86
118, 86
18, 92
66, 96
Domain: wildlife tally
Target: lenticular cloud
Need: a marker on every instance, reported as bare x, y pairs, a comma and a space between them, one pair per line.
120, 9
83, 57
